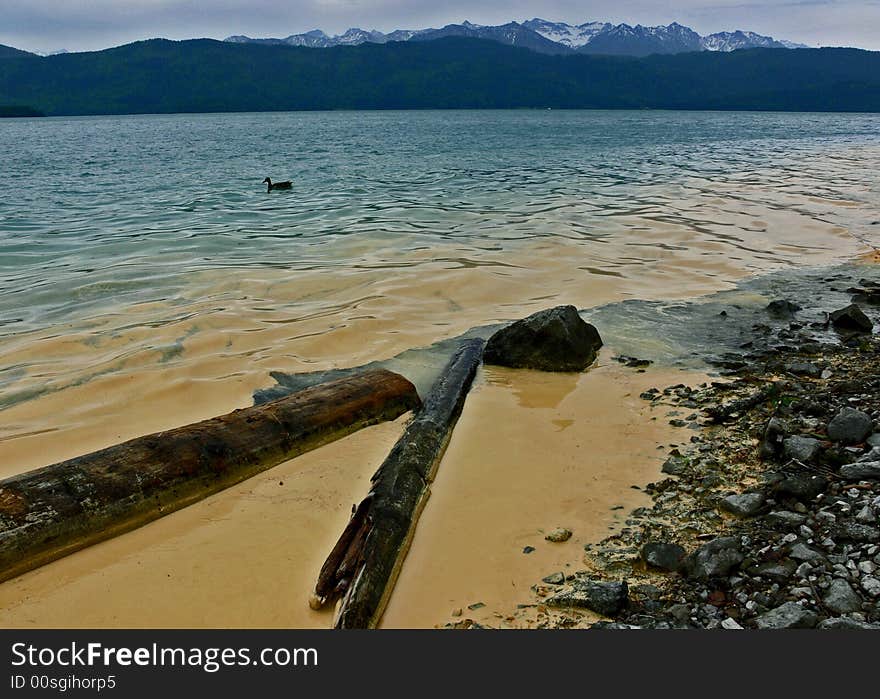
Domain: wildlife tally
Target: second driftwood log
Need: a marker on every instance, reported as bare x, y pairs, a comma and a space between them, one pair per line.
364, 565
58, 509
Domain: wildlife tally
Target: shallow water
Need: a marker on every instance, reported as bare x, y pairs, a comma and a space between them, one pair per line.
143, 261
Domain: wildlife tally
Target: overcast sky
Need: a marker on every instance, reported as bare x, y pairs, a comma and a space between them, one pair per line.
78, 25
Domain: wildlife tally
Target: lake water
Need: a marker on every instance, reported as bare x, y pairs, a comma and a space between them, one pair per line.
142, 255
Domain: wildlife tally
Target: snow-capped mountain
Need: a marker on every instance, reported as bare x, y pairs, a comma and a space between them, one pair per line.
512, 33
573, 36
553, 37
731, 41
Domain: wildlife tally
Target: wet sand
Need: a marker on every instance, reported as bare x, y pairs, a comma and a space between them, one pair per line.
532, 451
244, 558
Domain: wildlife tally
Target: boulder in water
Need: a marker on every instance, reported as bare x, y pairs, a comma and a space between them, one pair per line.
556, 339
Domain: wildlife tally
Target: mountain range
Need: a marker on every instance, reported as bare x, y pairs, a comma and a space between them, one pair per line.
204, 75
551, 37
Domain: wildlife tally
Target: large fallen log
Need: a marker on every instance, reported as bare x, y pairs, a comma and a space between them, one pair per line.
52, 511
364, 565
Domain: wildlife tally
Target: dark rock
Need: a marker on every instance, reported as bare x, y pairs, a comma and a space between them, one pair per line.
554, 579
782, 308
774, 435
675, 465
804, 449
776, 571
852, 319
867, 470
790, 615
803, 369
855, 531
744, 504
847, 624
606, 598
841, 598
786, 518
556, 339
614, 626
850, 426
668, 557
801, 486
680, 612
801, 552
528, 549
718, 557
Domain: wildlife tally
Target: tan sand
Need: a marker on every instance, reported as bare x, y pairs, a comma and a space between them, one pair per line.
533, 452
247, 557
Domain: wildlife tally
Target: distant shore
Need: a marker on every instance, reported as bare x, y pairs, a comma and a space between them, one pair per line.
11, 112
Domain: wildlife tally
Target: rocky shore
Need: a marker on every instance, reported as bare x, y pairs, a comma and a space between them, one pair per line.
770, 515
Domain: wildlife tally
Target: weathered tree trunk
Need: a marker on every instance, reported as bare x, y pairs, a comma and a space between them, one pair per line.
52, 511
365, 563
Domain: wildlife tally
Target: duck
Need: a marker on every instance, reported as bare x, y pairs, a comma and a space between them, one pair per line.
276, 185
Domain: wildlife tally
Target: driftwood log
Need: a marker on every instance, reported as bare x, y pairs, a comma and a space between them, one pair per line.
52, 511
364, 565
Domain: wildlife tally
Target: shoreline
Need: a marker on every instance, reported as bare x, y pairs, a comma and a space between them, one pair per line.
122, 570
746, 530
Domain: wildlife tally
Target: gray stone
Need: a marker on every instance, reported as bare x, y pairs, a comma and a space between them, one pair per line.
680, 612
866, 516
786, 518
850, 426
851, 319
801, 486
744, 504
675, 465
846, 624
717, 557
801, 552
803, 369
606, 598
790, 615
871, 585
774, 434
855, 531
841, 598
873, 440
555, 579
556, 339
803, 449
730, 624
782, 308
865, 470
668, 557
776, 571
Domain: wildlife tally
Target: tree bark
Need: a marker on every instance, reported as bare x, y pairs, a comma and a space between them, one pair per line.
53, 511
364, 565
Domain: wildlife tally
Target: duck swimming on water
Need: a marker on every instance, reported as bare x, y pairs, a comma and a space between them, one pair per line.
276, 185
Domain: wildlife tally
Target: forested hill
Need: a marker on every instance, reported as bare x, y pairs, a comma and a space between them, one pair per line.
203, 75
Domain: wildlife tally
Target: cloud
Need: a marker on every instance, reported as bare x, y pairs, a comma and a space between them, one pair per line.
46, 25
